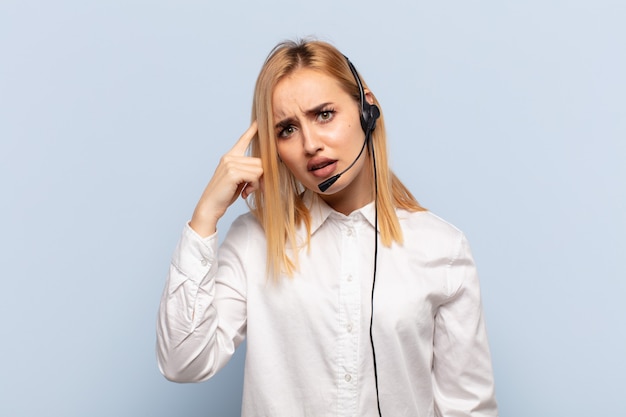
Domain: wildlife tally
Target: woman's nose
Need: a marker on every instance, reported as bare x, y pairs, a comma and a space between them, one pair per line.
311, 141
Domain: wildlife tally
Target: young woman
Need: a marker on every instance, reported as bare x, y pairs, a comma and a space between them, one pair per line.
355, 300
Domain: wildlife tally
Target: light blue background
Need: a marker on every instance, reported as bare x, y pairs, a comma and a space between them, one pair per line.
506, 118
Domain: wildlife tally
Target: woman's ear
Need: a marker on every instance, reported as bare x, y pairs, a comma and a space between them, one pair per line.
369, 97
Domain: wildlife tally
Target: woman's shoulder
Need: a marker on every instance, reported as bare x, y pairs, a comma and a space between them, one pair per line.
420, 224
245, 234
246, 224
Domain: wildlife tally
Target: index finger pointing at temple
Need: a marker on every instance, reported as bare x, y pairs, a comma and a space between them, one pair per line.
243, 142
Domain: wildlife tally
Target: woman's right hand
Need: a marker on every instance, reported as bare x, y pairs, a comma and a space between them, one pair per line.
236, 174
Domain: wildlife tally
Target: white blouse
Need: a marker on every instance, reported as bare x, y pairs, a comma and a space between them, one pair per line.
308, 346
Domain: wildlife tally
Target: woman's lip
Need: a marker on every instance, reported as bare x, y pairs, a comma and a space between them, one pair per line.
326, 169
318, 162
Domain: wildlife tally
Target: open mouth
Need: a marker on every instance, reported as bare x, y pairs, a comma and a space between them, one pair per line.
320, 165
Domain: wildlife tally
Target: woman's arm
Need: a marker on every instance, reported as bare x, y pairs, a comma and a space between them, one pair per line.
462, 373
202, 318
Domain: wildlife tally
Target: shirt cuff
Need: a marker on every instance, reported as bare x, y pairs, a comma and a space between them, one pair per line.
194, 254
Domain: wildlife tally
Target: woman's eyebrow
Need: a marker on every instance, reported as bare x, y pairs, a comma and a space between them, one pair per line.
312, 112
315, 110
285, 122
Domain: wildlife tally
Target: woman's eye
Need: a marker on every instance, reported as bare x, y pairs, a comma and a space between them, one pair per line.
286, 132
326, 115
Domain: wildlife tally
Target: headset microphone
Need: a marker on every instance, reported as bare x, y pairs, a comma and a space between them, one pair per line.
323, 186
369, 114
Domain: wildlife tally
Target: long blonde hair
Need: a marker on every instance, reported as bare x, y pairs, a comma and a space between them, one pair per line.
279, 207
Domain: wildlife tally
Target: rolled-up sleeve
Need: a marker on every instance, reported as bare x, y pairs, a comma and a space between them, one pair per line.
462, 372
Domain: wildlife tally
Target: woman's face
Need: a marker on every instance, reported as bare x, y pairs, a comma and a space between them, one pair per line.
319, 135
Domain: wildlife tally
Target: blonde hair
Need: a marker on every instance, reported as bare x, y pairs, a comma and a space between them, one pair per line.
279, 207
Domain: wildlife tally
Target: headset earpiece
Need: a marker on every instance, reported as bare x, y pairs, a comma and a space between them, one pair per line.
370, 114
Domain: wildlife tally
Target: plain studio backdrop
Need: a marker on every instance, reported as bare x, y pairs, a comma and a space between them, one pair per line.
507, 119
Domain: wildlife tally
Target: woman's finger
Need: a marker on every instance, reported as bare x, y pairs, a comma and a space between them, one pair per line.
242, 144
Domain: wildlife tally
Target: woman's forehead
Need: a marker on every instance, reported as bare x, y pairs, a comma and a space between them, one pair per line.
305, 88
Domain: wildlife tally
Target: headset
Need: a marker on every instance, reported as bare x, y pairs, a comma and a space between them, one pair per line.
369, 113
